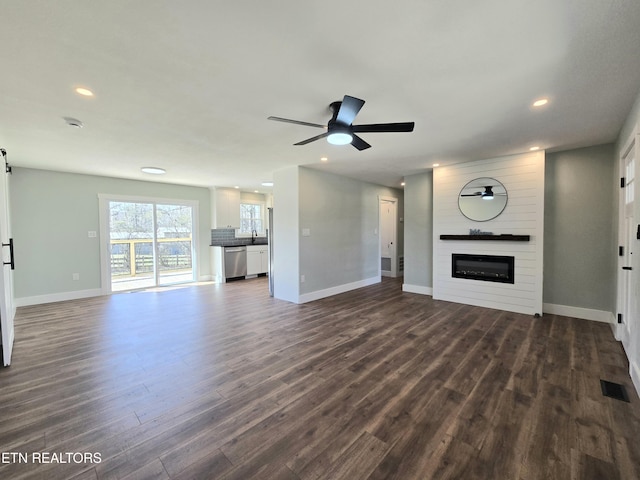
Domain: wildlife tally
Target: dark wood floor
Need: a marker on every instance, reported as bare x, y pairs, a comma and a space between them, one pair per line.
224, 382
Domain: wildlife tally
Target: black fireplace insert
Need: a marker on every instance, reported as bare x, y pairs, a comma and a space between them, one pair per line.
490, 268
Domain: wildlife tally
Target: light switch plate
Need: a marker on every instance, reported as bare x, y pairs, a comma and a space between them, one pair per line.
306, 232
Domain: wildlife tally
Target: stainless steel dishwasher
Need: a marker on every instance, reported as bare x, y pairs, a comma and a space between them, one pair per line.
235, 262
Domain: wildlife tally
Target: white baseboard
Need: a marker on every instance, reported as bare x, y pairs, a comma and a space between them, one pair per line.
57, 297
328, 292
406, 287
618, 331
578, 312
634, 371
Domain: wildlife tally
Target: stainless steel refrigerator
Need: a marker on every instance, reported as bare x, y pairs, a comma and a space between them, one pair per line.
270, 250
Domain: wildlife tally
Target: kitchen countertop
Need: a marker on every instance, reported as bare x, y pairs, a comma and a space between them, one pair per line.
239, 244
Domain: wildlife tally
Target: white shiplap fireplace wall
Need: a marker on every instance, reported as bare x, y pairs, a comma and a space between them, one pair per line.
523, 177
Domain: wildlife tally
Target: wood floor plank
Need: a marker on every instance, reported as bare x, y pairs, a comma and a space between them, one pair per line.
191, 464
151, 471
226, 382
506, 438
355, 462
412, 454
549, 451
586, 467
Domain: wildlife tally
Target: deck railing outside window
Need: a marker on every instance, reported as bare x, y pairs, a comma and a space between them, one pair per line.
174, 254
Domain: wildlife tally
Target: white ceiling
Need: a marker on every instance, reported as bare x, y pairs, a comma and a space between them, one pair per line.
188, 85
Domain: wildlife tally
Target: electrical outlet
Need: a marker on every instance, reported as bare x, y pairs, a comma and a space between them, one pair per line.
93, 234
301, 278
75, 276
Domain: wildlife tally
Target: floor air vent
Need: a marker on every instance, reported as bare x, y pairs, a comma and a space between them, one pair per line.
614, 390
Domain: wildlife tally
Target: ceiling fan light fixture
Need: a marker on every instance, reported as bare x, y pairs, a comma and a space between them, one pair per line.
339, 138
488, 193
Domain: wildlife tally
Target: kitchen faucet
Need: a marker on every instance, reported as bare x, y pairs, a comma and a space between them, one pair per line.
253, 238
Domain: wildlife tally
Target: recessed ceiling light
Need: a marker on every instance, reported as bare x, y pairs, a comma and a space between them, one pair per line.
436, 164
256, 191
323, 159
402, 184
236, 186
540, 102
267, 184
154, 170
533, 149
85, 92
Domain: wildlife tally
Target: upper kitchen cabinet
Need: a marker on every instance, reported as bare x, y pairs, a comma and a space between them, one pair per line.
227, 208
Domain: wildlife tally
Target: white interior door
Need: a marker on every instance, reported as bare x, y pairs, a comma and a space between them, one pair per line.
626, 237
7, 307
388, 237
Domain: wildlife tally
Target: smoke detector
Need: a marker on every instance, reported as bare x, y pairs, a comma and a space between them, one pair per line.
73, 122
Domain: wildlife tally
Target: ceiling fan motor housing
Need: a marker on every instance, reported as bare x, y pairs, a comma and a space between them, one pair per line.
340, 129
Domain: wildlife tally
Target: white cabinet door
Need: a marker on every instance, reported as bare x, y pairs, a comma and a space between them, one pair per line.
254, 266
264, 260
257, 259
227, 208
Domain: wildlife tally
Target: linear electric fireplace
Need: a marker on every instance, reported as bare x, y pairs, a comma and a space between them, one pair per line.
491, 268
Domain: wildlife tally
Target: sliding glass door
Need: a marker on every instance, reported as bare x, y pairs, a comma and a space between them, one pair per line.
150, 244
174, 231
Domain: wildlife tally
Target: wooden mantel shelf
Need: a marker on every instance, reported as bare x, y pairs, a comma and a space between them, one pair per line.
503, 237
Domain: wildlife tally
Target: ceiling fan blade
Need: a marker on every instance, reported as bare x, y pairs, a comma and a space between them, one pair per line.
313, 139
384, 127
359, 143
297, 122
349, 109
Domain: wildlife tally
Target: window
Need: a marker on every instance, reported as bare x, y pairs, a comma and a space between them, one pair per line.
252, 218
150, 242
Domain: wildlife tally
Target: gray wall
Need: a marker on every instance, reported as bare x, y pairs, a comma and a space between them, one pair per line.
51, 215
342, 215
286, 235
418, 238
580, 225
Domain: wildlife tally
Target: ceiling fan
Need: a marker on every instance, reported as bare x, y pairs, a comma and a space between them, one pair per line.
340, 129
486, 195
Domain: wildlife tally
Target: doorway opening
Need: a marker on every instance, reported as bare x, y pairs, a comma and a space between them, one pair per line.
388, 236
148, 244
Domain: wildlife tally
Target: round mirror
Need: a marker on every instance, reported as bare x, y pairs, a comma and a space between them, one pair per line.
482, 199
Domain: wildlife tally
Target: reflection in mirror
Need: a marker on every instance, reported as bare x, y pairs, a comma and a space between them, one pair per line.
482, 199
